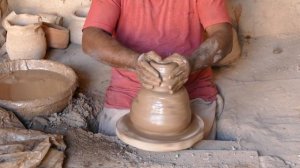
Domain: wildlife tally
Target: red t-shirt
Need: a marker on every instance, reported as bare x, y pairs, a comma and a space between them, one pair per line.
163, 26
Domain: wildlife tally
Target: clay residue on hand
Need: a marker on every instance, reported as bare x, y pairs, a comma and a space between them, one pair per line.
31, 85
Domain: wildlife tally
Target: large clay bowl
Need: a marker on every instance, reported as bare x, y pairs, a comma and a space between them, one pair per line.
26, 110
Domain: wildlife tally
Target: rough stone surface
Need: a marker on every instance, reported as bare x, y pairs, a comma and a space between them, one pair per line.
261, 94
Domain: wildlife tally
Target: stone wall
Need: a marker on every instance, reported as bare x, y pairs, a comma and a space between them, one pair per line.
255, 17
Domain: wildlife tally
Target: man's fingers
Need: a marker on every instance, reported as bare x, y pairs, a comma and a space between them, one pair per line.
172, 58
149, 81
148, 78
179, 85
147, 86
177, 72
177, 82
145, 65
152, 56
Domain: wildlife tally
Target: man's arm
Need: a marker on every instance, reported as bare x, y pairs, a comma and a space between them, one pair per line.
101, 46
214, 48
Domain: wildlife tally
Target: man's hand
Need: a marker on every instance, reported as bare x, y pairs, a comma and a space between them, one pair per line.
214, 48
180, 74
148, 76
207, 54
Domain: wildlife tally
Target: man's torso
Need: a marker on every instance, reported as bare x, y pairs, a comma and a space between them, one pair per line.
163, 26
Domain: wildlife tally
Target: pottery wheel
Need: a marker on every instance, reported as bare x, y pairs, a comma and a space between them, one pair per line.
130, 135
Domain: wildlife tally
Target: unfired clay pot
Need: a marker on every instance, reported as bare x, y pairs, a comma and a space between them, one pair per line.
159, 112
160, 121
78, 19
57, 36
25, 36
51, 18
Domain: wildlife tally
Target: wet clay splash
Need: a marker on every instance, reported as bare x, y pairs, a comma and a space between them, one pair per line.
31, 84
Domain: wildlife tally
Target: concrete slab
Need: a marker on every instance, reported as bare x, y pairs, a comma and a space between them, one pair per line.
205, 158
217, 145
262, 95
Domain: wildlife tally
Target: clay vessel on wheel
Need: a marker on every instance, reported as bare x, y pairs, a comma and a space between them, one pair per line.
159, 112
160, 121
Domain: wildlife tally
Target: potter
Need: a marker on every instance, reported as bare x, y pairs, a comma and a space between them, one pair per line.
130, 41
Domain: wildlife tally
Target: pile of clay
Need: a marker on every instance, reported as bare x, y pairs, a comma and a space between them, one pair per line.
31, 85
81, 112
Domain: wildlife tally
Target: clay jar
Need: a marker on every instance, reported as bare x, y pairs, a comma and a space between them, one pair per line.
51, 18
78, 19
157, 111
57, 36
25, 36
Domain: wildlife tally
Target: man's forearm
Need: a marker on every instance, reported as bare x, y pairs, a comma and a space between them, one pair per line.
101, 46
214, 48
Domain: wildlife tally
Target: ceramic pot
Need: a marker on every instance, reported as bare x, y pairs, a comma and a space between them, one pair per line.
25, 36
157, 111
76, 25
51, 18
56, 36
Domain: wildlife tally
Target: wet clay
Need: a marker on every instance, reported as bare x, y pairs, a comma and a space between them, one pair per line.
164, 69
128, 133
159, 120
156, 111
31, 85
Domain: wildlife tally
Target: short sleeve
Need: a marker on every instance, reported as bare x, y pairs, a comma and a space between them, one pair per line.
212, 12
103, 14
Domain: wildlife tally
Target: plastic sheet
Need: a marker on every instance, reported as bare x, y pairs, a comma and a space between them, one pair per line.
24, 148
